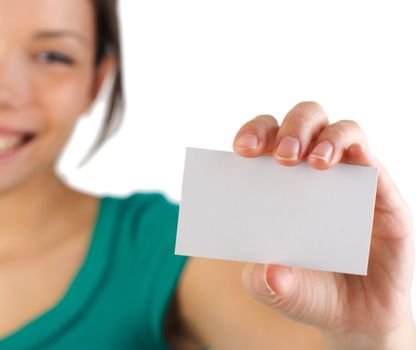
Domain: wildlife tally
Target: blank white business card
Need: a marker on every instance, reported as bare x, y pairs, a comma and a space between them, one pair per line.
256, 210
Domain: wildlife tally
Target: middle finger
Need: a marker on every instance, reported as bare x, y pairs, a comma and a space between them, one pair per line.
302, 124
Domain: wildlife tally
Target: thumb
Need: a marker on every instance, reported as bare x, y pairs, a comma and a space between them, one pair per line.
304, 295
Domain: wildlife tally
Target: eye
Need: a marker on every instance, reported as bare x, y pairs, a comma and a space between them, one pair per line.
54, 57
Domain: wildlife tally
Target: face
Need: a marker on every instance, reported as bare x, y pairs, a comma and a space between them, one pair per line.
47, 80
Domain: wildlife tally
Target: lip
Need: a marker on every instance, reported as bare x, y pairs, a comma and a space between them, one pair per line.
14, 131
9, 155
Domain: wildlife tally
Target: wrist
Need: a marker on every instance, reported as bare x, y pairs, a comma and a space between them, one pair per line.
402, 337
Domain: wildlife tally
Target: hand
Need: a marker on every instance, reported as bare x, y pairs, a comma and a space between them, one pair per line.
341, 305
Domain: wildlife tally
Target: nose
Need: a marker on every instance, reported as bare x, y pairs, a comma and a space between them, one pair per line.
14, 83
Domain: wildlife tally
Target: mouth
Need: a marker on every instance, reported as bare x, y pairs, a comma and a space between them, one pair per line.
9, 144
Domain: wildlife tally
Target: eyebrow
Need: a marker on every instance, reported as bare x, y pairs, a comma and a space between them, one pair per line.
61, 33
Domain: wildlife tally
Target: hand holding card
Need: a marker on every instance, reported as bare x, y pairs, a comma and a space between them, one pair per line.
315, 211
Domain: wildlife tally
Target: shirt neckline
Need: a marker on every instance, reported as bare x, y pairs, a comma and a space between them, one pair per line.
48, 324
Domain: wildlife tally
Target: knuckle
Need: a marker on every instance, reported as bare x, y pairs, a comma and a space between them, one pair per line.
266, 118
337, 133
304, 112
344, 129
300, 120
352, 127
349, 123
309, 105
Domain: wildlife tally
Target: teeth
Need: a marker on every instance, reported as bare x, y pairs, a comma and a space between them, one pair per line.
9, 142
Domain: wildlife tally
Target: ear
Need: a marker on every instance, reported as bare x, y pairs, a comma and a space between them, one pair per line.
102, 72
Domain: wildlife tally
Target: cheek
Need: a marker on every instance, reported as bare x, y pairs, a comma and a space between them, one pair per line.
59, 100
62, 96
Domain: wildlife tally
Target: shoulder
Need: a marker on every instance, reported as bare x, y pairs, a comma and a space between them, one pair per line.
146, 235
144, 204
144, 229
144, 215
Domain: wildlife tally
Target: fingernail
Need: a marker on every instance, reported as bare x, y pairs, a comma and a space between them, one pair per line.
247, 141
364, 147
288, 148
323, 151
280, 283
265, 283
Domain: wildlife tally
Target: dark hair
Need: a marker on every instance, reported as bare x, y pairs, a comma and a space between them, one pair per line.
108, 42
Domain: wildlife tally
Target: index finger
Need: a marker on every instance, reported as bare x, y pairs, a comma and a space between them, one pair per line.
256, 137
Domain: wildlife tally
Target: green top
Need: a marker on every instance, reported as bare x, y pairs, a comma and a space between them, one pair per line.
120, 295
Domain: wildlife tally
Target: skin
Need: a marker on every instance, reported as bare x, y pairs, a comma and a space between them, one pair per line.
375, 308
211, 305
351, 312
41, 93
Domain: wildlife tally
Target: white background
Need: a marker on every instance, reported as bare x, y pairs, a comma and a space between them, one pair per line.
196, 71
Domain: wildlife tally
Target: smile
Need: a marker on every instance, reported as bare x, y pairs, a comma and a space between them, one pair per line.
11, 143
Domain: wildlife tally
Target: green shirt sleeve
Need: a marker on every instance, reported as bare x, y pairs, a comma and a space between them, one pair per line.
120, 295
155, 269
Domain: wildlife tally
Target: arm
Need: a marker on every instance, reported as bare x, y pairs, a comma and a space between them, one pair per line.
350, 312
215, 310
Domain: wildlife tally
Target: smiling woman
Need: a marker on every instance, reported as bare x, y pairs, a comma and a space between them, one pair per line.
48, 78
85, 272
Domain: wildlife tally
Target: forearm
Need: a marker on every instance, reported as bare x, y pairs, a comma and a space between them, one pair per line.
403, 338
221, 313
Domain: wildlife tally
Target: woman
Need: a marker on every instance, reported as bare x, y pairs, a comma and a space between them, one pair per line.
82, 272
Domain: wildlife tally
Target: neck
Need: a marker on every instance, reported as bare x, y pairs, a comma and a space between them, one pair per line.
26, 211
